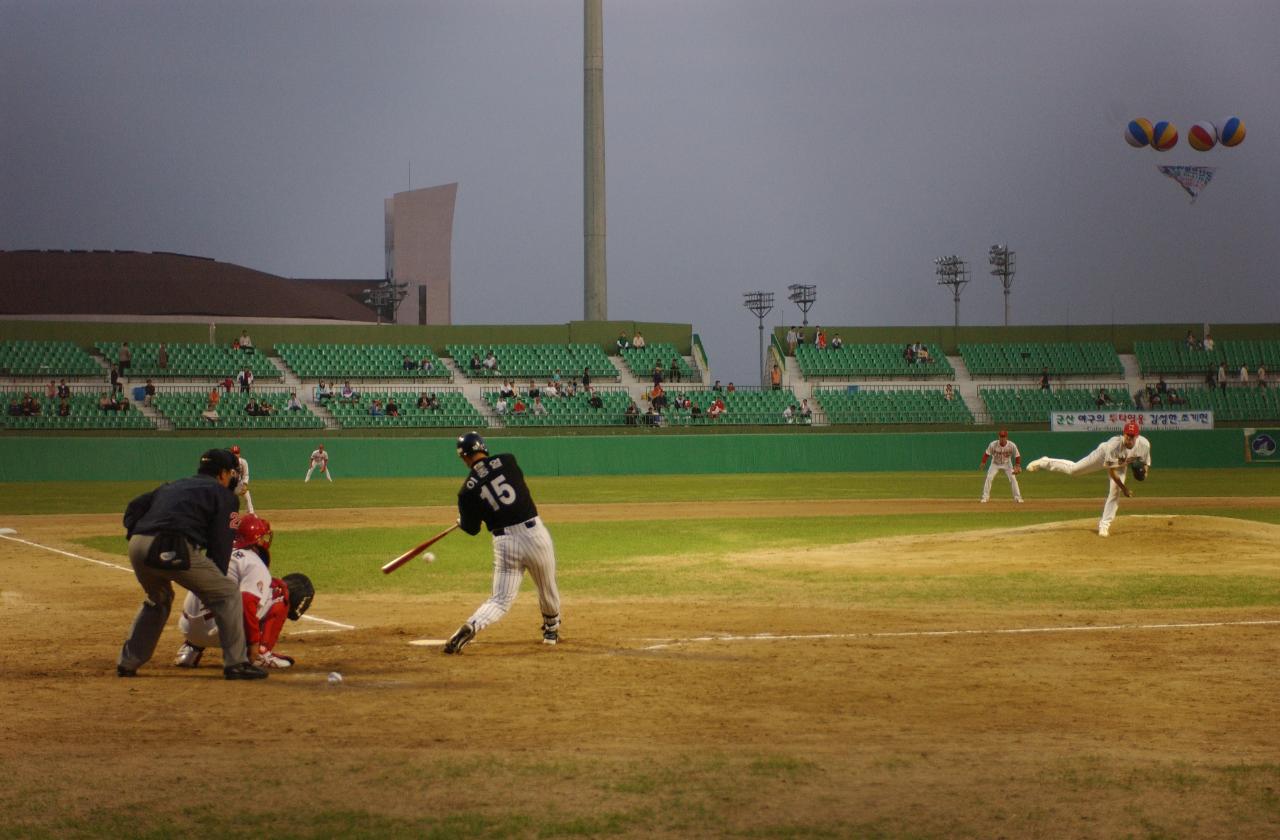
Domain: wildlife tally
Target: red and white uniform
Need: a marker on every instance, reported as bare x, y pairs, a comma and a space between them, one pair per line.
1004, 455
266, 606
1110, 454
242, 489
319, 460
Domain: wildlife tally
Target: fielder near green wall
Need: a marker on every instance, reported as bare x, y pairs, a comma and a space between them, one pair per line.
138, 458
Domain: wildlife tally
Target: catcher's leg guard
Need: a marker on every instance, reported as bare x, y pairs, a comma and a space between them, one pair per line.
188, 655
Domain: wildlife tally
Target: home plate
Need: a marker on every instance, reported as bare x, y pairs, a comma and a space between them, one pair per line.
428, 642
7, 531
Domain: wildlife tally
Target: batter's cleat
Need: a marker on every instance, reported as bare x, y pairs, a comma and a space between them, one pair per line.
1104, 531
122, 671
188, 656
550, 631
1038, 464
460, 639
273, 660
243, 671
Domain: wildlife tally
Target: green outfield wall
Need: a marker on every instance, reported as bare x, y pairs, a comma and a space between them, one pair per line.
133, 458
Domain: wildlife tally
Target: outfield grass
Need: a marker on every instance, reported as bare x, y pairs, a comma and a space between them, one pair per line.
111, 496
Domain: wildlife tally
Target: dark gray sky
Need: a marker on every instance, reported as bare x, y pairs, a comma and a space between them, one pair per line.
750, 145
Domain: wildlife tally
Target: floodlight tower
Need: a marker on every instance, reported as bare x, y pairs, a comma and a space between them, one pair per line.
1003, 265
761, 304
954, 272
803, 297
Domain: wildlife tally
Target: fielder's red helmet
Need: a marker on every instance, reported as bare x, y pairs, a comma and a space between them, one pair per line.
235, 449
1131, 428
253, 531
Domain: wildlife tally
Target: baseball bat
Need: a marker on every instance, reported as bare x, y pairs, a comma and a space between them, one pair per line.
417, 549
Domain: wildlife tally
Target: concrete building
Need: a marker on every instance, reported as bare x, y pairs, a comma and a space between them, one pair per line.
419, 238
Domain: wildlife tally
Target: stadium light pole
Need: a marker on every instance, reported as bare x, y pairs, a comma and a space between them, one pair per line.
760, 304
1003, 265
803, 297
954, 272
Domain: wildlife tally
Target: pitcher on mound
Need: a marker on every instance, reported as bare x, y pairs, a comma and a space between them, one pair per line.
1113, 455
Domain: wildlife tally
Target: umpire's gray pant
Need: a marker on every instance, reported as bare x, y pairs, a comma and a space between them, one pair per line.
217, 591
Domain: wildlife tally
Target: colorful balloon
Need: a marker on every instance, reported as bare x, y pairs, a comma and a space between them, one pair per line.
1203, 136
1232, 131
1164, 136
1138, 132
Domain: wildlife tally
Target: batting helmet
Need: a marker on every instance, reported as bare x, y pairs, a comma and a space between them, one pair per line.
253, 530
300, 594
235, 450
470, 444
1131, 428
1004, 433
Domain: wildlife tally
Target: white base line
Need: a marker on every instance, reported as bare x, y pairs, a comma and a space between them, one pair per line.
130, 571
771, 637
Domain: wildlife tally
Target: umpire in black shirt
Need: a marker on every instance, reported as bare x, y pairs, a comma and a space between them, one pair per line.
181, 532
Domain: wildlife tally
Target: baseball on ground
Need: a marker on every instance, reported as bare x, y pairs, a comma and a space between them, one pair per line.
429, 557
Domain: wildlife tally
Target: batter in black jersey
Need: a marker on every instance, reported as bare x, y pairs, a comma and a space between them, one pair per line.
496, 495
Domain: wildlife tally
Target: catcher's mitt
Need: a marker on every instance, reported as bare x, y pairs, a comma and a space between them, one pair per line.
1140, 471
300, 594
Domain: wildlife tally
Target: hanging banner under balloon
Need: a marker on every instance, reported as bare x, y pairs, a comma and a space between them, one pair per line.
1193, 179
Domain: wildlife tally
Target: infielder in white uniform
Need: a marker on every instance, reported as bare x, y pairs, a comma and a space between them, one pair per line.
267, 601
242, 489
495, 495
1114, 456
319, 458
1004, 455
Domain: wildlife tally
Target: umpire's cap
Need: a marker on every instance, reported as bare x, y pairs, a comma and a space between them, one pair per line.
216, 460
470, 444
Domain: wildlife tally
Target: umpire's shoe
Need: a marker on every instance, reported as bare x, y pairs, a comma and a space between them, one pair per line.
460, 639
244, 671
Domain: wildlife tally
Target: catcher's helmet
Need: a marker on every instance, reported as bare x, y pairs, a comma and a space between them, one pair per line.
300, 593
235, 449
1131, 428
253, 530
471, 443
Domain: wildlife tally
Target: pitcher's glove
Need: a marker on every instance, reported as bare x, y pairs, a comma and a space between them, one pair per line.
1140, 471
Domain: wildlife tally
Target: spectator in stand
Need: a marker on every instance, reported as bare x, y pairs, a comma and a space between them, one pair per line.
149, 392
1162, 387
695, 410
789, 414
508, 389
105, 403
210, 412
622, 343
586, 377
539, 410
125, 358
550, 390
427, 365
594, 400
1262, 376
246, 343
348, 394
532, 391
716, 387
800, 338
657, 373
433, 403
490, 362
949, 393
122, 402
64, 407
837, 342
407, 364
324, 393
294, 403
1175, 398
1103, 398
393, 408
716, 409
923, 356
520, 407
731, 388
909, 354
162, 356
1208, 341
569, 390
474, 363
775, 377
1211, 379
1044, 379
422, 400
114, 377
252, 409
228, 384
245, 380
631, 413
1244, 375
1222, 375
64, 390
375, 409
820, 338
30, 405
673, 372
1191, 342
500, 407
658, 397
806, 413
51, 390
638, 341
792, 340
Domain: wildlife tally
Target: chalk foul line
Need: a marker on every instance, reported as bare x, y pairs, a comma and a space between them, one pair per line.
128, 569
903, 634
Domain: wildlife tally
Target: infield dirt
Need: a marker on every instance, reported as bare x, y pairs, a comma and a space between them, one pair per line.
925, 720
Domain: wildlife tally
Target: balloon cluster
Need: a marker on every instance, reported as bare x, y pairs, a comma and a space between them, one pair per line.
1202, 137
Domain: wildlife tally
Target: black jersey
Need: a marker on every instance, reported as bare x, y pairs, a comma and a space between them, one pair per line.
495, 494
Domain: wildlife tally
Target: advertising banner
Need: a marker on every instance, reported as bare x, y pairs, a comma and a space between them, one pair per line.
1113, 421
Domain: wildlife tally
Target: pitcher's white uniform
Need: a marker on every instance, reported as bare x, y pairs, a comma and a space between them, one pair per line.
319, 458
1004, 455
242, 489
1111, 454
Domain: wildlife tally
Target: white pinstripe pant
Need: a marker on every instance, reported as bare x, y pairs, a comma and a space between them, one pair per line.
519, 549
